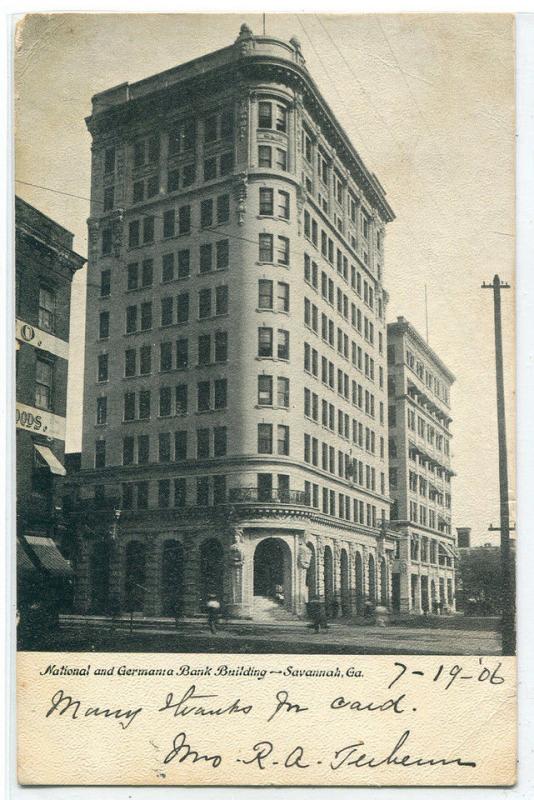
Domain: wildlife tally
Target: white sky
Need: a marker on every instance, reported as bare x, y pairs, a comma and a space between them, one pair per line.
428, 103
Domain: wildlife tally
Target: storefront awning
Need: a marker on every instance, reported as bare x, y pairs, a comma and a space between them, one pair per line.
24, 562
49, 556
56, 467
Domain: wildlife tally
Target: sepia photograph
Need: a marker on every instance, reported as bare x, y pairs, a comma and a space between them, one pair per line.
265, 334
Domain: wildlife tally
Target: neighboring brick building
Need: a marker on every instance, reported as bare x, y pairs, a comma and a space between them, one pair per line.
420, 471
235, 420
45, 265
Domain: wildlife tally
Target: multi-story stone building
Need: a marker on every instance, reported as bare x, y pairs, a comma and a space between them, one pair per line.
420, 472
45, 265
235, 418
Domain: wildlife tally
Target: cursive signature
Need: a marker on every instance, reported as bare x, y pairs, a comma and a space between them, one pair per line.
182, 751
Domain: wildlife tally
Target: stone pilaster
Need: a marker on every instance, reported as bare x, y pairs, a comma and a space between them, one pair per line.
152, 605
191, 576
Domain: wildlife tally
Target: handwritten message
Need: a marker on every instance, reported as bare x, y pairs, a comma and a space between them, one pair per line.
307, 720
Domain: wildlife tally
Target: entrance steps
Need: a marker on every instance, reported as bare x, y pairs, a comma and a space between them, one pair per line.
265, 609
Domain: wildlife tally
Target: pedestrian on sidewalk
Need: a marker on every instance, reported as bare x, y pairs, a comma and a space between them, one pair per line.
213, 607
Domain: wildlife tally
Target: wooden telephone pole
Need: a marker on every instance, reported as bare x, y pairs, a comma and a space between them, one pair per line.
507, 585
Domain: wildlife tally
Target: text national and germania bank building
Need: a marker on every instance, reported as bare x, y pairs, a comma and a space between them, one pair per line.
235, 409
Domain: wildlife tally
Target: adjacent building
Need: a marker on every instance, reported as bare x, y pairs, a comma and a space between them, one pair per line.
420, 472
235, 409
45, 266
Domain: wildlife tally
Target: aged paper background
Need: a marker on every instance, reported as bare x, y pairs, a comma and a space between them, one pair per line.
447, 144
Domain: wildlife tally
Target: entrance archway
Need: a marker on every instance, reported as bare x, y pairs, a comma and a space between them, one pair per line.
211, 570
328, 579
345, 593
135, 576
172, 578
272, 570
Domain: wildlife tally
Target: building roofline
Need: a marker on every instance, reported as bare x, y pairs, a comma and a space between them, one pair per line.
55, 244
240, 53
402, 326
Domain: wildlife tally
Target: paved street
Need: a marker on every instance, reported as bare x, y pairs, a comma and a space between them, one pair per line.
192, 635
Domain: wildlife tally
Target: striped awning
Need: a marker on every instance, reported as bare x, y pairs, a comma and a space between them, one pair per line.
49, 556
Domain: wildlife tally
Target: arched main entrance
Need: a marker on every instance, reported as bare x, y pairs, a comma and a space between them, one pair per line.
135, 576
272, 570
211, 570
172, 578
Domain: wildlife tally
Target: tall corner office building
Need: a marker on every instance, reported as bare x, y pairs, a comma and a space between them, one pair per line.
235, 411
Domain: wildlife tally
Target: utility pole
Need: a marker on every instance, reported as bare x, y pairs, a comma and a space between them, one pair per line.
508, 599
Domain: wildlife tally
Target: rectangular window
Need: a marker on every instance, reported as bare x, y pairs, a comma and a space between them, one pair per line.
131, 319
182, 307
219, 489
281, 159
129, 363
265, 115
226, 163
219, 441
204, 349
100, 454
283, 205
164, 493
148, 230
129, 407
265, 342
266, 202
142, 494
188, 172
144, 404
221, 300
105, 283
203, 443
107, 241
179, 492
221, 392
206, 213
146, 316
164, 446
167, 267
184, 219
180, 445
101, 410
265, 294
182, 353
281, 118
204, 303
183, 263
205, 257
127, 495
283, 250
203, 491
169, 219
283, 297
266, 248
210, 168
265, 390
282, 392
143, 449
165, 407
223, 208
133, 276
227, 123
265, 156
127, 450
138, 191
222, 256
283, 345
165, 356
181, 398
203, 396
103, 372
167, 308
109, 160
43, 383
47, 309
265, 438
173, 180
221, 346
103, 325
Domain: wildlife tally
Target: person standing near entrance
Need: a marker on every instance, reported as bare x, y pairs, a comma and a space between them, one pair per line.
213, 607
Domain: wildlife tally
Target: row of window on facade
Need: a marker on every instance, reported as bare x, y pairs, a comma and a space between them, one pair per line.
346, 347
345, 466
360, 397
359, 285
425, 375
429, 550
422, 459
424, 429
341, 505
327, 247
428, 517
362, 436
